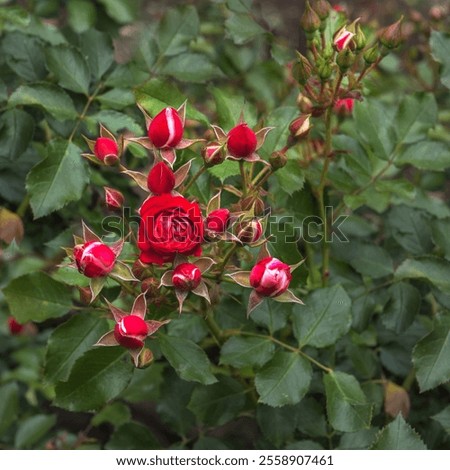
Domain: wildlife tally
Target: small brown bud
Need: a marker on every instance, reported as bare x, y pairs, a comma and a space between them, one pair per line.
310, 20
391, 36
278, 160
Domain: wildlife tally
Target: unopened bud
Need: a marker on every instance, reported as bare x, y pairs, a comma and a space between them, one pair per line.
322, 8
359, 38
251, 204
345, 59
437, 13
249, 232
213, 154
145, 358
113, 198
304, 104
150, 286
371, 55
391, 36
278, 160
302, 69
299, 128
324, 70
310, 20
342, 38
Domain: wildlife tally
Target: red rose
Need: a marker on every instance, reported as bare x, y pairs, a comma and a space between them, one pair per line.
241, 141
161, 179
94, 259
270, 277
169, 225
131, 332
166, 129
344, 106
218, 221
186, 276
106, 150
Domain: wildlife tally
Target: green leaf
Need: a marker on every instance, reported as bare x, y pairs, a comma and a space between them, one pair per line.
81, 15
403, 306
145, 384
443, 418
431, 269
311, 418
347, 406
284, 380
290, 178
369, 260
132, 436
122, 11
189, 360
115, 413
192, 327
191, 67
440, 49
114, 121
271, 315
276, 139
229, 107
58, 179
426, 155
16, 132
276, 424
430, 356
69, 68
9, 405
325, 317
70, 341
440, 230
241, 28
177, 29
32, 430
96, 378
215, 405
157, 94
37, 297
241, 351
15, 15
97, 49
398, 435
227, 169
48, 97
25, 56
117, 98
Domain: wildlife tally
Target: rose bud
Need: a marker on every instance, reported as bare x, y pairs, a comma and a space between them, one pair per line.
217, 221
150, 286
270, 277
342, 39
250, 231
344, 106
278, 160
94, 259
304, 104
322, 8
345, 59
301, 70
186, 276
300, 127
360, 38
213, 154
15, 328
166, 129
113, 198
371, 55
249, 203
391, 36
310, 20
241, 141
131, 332
106, 150
161, 179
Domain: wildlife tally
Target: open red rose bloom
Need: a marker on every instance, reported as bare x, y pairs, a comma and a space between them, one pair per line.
169, 225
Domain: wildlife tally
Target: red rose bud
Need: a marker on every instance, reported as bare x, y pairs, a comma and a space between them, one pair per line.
391, 37
166, 129
213, 154
94, 259
338, 8
342, 39
131, 332
249, 232
113, 198
310, 20
241, 141
300, 126
106, 150
270, 277
344, 106
218, 220
186, 276
161, 179
15, 328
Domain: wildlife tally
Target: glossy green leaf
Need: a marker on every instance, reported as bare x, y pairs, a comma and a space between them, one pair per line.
70, 341
122, 11
115, 413
325, 317
192, 327
58, 179
440, 230
47, 97
69, 68
242, 28
241, 351
403, 306
229, 107
189, 360
430, 356
426, 155
311, 418
132, 436
32, 430
97, 49
443, 418
347, 407
191, 67
398, 435
432, 269
271, 315
117, 98
9, 405
284, 380
96, 378
215, 405
16, 132
37, 297
276, 424
440, 48
177, 29
15, 15
81, 15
